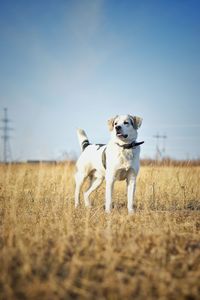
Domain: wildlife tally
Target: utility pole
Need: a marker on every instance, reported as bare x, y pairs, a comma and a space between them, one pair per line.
160, 152
6, 145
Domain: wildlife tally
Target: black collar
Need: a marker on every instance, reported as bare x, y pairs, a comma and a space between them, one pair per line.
129, 146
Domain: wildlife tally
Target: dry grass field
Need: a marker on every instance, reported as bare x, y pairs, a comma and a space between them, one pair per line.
49, 250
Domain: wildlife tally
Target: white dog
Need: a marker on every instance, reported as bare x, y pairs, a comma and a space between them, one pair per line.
118, 160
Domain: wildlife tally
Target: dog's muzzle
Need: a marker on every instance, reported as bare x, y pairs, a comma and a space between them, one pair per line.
119, 132
121, 135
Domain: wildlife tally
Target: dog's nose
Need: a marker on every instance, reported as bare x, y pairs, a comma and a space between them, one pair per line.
118, 127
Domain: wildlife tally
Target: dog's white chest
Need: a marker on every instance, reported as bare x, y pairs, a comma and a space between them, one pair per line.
125, 159
123, 164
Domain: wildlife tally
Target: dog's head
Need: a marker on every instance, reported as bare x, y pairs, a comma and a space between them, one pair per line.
124, 128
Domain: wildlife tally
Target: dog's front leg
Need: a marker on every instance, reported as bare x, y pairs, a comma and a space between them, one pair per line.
131, 184
109, 190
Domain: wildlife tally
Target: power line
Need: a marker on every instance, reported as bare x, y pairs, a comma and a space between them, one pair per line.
7, 156
160, 149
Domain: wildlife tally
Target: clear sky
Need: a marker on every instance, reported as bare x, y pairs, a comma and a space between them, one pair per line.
76, 63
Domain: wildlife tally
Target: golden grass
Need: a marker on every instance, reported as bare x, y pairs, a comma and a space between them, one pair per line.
49, 250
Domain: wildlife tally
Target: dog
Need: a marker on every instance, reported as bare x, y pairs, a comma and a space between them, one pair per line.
118, 160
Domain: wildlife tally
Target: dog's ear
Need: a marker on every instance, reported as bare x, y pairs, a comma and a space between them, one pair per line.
111, 123
136, 121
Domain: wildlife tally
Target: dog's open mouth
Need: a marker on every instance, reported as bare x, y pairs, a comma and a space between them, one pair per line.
120, 135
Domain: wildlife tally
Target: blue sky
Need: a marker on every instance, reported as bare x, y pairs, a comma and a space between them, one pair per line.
68, 64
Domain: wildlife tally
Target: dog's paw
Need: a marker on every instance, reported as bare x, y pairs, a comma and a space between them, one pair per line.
131, 211
76, 205
87, 203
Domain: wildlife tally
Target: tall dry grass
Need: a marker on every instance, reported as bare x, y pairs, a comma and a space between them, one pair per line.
49, 250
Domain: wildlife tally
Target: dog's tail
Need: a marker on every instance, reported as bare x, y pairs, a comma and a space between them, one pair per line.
83, 139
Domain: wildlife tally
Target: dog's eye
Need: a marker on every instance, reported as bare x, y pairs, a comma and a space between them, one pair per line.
126, 123
115, 123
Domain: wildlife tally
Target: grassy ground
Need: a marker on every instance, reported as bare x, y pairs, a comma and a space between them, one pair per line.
49, 250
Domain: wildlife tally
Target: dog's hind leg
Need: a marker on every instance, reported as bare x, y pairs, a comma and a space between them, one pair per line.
94, 185
79, 179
